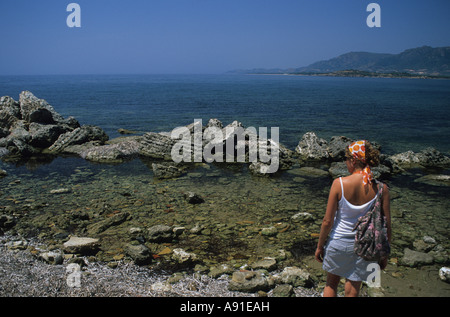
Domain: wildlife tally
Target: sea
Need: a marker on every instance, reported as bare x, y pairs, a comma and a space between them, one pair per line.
399, 114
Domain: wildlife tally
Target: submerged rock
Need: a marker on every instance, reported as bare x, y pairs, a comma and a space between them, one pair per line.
436, 180
166, 170
302, 217
249, 282
267, 263
140, 254
269, 231
339, 169
160, 233
7, 221
60, 191
182, 257
193, 198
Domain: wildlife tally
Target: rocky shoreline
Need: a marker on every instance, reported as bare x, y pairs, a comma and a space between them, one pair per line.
173, 226
32, 127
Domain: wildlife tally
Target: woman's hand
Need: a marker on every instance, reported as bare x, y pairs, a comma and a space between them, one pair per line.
319, 254
383, 263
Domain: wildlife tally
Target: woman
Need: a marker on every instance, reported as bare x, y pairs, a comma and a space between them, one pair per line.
350, 197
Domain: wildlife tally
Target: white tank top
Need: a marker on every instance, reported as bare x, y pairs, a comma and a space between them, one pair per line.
347, 215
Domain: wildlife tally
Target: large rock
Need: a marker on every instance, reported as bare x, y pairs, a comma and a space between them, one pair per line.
81, 245
312, 147
9, 113
38, 110
415, 258
295, 276
156, 145
337, 146
429, 157
83, 134
17, 142
44, 135
247, 140
115, 151
31, 125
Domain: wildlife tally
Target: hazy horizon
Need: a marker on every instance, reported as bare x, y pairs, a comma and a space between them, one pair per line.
206, 37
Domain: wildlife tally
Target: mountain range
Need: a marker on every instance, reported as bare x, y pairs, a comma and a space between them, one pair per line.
421, 61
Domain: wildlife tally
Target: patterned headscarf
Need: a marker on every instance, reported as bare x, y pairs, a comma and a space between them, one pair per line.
358, 151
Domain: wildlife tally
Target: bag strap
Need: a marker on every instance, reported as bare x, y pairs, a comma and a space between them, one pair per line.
380, 189
380, 186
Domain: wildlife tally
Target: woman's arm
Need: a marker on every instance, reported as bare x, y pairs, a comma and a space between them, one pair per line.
386, 206
386, 209
328, 219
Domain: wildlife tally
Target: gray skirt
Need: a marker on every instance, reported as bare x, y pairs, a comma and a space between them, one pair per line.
341, 260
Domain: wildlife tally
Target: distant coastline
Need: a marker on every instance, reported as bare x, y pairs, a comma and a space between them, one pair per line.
422, 62
355, 73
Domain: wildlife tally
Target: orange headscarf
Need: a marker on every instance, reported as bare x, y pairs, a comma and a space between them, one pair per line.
358, 151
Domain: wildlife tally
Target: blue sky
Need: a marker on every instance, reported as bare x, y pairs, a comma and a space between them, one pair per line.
206, 36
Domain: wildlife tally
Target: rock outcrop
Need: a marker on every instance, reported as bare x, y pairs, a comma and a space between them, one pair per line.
429, 157
312, 147
31, 126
